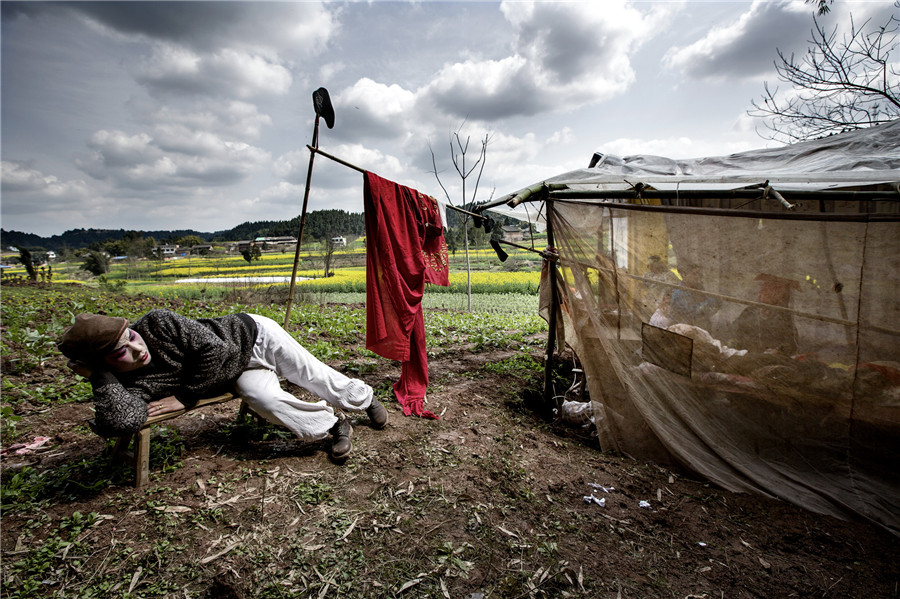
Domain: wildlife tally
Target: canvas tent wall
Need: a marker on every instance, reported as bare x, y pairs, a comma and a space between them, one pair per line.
761, 349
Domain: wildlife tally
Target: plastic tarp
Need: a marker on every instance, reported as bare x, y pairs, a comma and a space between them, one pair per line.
862, 157
761, 351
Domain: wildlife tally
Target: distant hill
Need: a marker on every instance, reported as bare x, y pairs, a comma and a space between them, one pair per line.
319, 223
78, 238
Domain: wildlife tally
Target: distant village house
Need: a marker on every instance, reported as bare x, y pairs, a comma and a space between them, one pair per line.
165, 251
512, 233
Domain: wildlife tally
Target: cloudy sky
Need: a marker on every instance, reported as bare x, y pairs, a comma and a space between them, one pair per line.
171, 115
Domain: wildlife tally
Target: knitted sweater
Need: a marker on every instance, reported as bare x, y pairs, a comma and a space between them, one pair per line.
190, 359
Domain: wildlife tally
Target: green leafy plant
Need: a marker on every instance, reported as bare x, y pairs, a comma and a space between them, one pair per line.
166, 449
111, 285
520, 364
46, 565
29, 488
450, 558
8, 420
312, 492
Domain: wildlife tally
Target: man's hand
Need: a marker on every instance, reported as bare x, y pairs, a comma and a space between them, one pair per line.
164, 406
81, 368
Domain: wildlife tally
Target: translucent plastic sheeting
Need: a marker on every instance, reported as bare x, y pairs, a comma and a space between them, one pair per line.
762, 353
862, 157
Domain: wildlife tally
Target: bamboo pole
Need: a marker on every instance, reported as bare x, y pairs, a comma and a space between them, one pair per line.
362, 170
312, 155
549, 403
648, 193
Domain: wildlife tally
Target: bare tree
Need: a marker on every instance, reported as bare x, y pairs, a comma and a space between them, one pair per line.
839, 85
458, 151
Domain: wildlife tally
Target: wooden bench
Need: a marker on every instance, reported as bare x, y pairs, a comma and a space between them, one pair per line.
135, 448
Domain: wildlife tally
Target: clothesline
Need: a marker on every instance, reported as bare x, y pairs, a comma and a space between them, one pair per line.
362, 170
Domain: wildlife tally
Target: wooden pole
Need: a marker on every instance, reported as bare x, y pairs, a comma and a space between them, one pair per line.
312, 155
549, 403
362, 170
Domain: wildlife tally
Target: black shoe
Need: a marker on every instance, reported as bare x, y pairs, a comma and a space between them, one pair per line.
340, 444
378, 415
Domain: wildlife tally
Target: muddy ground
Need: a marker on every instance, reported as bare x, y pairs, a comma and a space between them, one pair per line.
488, 501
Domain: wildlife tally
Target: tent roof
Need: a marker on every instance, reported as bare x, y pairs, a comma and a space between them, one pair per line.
857, 158
861, 157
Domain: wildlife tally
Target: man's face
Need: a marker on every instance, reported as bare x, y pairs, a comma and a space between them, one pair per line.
775, 295
692, 279
130, 353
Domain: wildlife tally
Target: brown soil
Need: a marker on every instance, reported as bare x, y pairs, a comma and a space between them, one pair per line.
488, 501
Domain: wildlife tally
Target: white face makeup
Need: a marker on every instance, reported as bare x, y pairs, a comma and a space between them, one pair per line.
129, 354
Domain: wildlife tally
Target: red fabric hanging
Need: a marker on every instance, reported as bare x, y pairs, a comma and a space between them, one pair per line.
405, 249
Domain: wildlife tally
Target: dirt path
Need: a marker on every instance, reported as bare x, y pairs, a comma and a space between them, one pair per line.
488, 501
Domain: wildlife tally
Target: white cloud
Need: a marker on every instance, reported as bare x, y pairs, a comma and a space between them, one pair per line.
19, 177
22, 178
368, 109
563, 136
565, 55
282, 191
180, 139
513, 149
266, 28
678, 147
364, 157
41, 200
292, 167
282, 199
328, 70
236, 119
333, 176
190, 106
746, 46
172, 160
118, 149
177, 70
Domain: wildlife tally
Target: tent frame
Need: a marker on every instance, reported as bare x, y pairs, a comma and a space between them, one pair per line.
671, 201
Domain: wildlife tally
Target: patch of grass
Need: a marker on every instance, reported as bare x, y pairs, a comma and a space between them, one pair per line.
43, 569
519, 365
327, 351
32, 346
166, 449
8, 420
360, 367
248, 428
451, 559
312, 492
45, 393
29, 489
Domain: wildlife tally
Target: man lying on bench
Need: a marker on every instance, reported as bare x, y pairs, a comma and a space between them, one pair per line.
165, 362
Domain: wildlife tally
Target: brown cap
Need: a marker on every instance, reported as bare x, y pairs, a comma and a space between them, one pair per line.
774, 290
91, 336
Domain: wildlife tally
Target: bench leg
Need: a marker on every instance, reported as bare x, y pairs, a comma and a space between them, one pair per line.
142, 457
246, 409
120, 448
137, 454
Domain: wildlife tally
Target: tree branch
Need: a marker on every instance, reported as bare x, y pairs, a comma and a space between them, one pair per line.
839, 85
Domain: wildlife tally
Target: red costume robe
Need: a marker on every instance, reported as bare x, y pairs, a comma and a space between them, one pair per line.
405, 249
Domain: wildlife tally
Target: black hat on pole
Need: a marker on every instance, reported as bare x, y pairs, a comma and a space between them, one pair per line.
322, 106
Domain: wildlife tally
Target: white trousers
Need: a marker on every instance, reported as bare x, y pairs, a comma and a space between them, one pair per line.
276, 353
